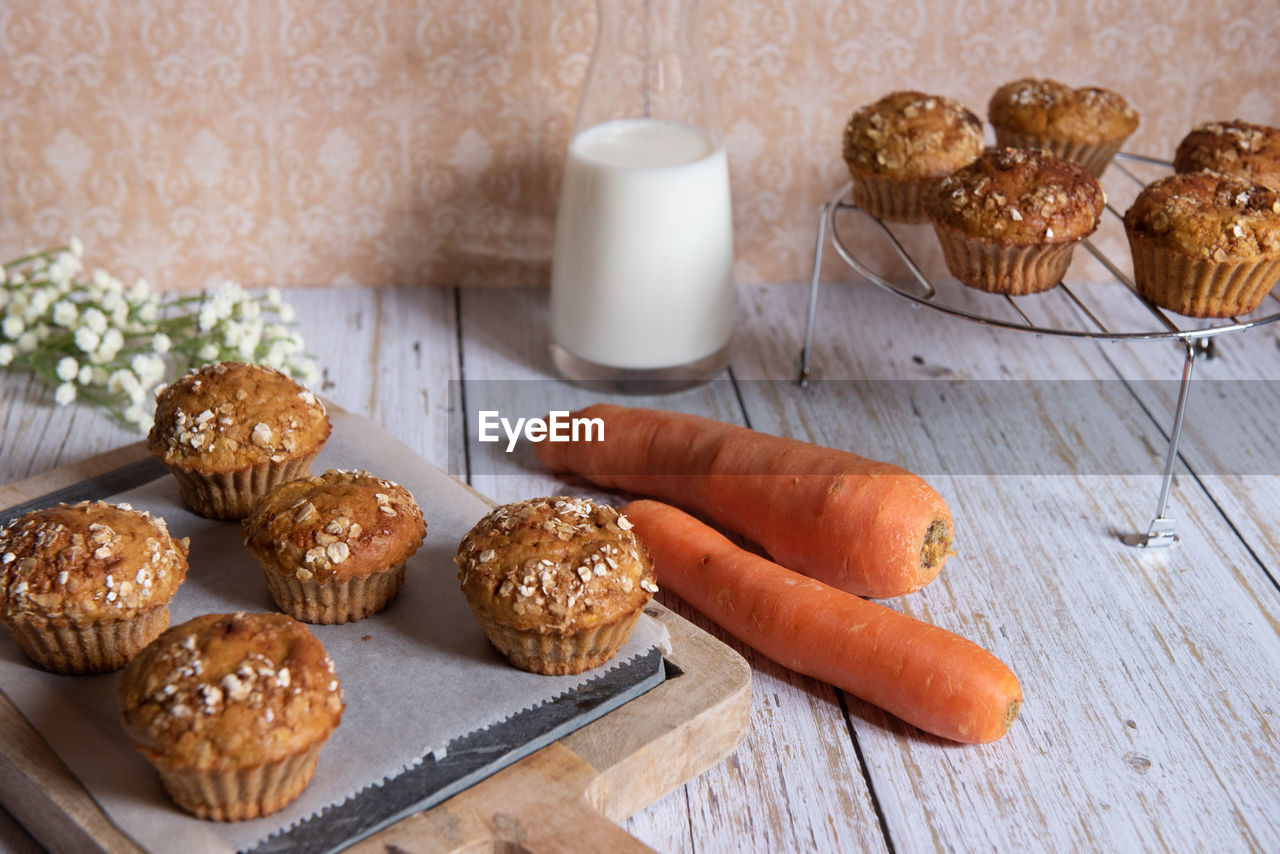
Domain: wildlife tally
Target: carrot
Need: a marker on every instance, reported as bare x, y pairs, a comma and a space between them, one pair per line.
867, 527
927, 676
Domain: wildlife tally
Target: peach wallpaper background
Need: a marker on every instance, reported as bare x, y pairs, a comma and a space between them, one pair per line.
390, 142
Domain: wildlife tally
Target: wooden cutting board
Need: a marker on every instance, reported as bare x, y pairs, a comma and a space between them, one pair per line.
563, 798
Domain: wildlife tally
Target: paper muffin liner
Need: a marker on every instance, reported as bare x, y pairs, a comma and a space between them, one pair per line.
894, 199
1014, 270
233, 495
1093, 156
1198, 287
559, 654
240, 793
86, 648
329, 602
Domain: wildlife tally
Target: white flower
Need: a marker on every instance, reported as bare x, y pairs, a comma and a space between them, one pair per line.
6, 355
67, 369
208, 317
209, 352
160, 342
28, 342
94, 320
149, 368
87, 340
85, 376
140, 291
137, 416
65, 313
112, 341
39, 303
65, 394
12, 326
77, 249
286, 312
63, 271
127, 382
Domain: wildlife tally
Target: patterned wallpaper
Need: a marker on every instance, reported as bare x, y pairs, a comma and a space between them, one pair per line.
377, 142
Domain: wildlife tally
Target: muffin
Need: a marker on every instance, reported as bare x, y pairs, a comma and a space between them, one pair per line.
334, 546
230, 431
232, 710
900, 145
1205, 244
557, 584
1086, 125
84, 586
1009, 221
1236, 148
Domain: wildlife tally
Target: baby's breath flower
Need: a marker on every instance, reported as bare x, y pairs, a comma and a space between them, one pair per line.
65, 313
65, 393
95, 340
94, 320
87, 340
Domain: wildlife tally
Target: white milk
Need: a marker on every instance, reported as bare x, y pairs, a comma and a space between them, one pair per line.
641, 277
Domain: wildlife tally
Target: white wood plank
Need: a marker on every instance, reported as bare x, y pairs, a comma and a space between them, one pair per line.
1101, 635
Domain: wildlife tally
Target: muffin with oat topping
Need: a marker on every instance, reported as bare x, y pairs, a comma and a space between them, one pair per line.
1086, 125
230, 431
1009, 221
557, 584
1205, 244
1237, 148
898, 146
232, 710
334, 546
84, 586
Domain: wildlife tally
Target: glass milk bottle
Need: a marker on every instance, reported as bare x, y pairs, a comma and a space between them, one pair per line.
642, 291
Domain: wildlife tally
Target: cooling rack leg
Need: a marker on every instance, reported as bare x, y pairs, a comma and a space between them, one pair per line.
1160, 534
814, 283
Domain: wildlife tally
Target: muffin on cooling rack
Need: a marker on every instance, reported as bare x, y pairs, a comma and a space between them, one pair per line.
230, 431
232, 710
1237, 148
557, 584
334, 546
1205, 244
1009, 221
898, 146
84, 586
1086, 125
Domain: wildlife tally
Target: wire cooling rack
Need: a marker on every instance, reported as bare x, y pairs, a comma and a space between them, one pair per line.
1007, 312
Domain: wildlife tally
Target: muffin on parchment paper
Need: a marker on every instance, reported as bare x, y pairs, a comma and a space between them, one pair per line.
230, 431
1009, 222
232, 710
1086, 125
1237, 148
84, 586
898, 146
556, 583
1205, 244
333, 547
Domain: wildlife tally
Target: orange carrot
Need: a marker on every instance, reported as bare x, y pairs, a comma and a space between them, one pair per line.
867, 527
927, 676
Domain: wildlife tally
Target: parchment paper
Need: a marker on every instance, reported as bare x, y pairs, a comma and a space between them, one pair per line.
414, 676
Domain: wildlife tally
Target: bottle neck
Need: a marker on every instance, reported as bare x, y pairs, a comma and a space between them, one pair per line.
649, 62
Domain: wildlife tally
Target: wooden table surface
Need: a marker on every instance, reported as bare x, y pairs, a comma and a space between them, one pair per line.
1152, 678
